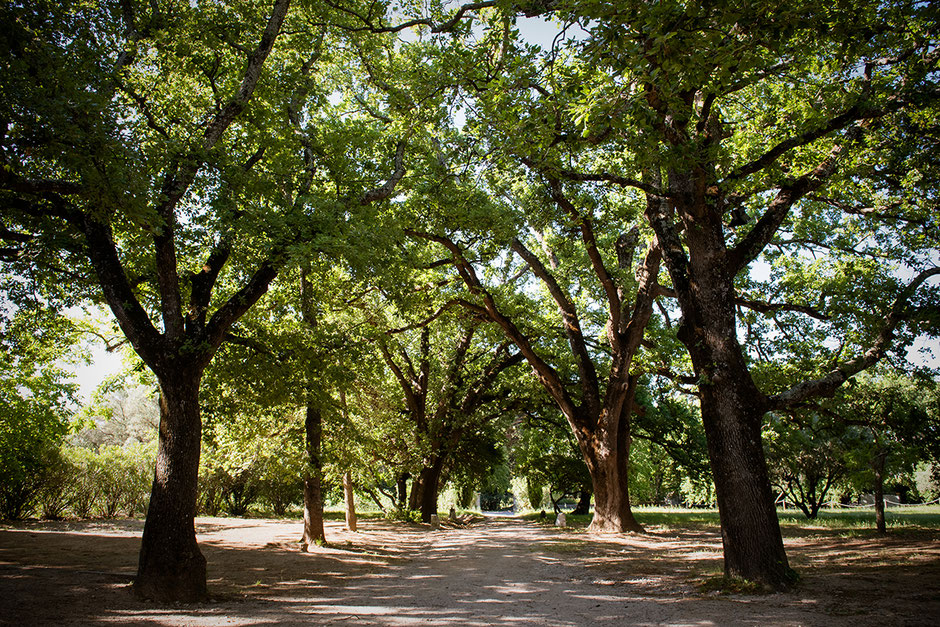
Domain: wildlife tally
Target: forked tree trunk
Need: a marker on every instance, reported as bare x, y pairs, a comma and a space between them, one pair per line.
313, 495
171, 567
350, 502
732, 406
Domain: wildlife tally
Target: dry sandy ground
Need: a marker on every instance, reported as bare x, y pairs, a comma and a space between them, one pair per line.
497, 572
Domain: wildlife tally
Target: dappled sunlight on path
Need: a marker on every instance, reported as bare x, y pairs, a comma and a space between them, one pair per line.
501, 571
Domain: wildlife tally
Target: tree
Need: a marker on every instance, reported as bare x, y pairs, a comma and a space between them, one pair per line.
150, 171
36, 403
598, 403
898, 425
777, 128
543, 451
448, 393
807, 459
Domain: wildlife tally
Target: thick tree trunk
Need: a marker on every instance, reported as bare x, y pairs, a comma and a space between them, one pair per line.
731, 404
612, 512
750, 531
350, 502
313, 495
732, 414
171, 567
430, 487
878, 465
608, 459
608, 463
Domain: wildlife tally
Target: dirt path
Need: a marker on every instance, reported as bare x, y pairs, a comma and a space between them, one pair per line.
500, 572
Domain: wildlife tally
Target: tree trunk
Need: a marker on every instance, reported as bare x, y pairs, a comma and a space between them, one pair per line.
612, 512
732, 415
731, 404
350, 502
171, 567
313, 495
417, 492
313, 431
403, 489
878, 465
584, 503
430, 486
608, 455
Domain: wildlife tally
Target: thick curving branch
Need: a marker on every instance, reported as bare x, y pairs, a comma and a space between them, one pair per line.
831, 381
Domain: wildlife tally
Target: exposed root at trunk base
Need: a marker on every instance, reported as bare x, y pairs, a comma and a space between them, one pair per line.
610, 527
726, 584
185, 584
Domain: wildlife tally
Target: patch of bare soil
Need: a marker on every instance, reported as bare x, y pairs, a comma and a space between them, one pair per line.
497, 572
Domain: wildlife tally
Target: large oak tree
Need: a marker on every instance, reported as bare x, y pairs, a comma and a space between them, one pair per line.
150, 149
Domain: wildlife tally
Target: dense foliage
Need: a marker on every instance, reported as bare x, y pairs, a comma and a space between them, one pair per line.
338, 235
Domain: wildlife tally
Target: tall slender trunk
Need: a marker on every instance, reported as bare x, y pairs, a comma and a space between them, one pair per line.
313, 430
350, 502
313, 496
417, 492
402, 483
171, 567
878, 466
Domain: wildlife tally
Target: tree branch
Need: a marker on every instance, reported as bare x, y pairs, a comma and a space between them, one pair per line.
760, 235
385, 190
597, 262
547, 375
133, 320
830, 382
572, 325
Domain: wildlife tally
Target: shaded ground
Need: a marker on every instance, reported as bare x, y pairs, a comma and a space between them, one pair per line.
498, 572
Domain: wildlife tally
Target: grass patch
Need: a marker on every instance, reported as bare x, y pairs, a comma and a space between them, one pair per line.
719, 584
676, 517
925, 517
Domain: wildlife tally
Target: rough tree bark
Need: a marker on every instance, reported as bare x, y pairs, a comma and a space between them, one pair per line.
430, 481
171, 566
313, 432
314, 533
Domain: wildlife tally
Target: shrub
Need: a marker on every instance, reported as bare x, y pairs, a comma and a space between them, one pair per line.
85, 481
55, 494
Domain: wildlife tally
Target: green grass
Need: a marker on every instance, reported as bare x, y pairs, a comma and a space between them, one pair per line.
913, 518
922, 517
